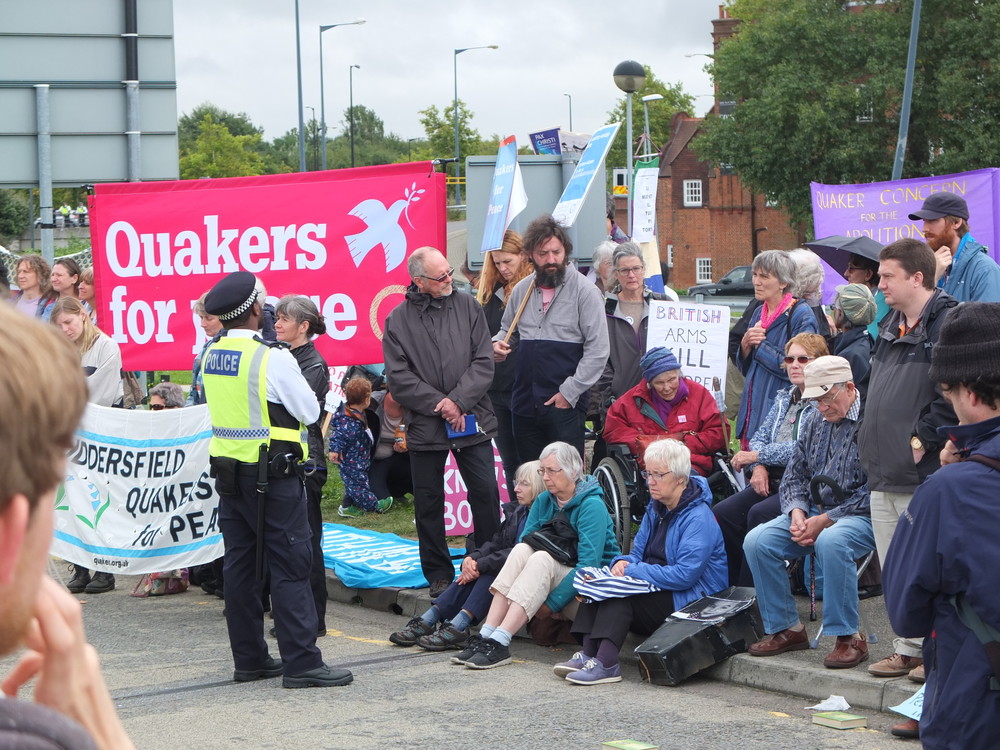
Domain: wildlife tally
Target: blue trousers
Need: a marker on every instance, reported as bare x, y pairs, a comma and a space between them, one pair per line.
473, 597
837, 547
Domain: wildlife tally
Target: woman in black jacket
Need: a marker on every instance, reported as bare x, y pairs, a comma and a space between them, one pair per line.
297, 322
502, 269
468, 598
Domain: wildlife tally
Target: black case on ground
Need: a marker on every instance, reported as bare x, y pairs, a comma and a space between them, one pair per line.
680, 648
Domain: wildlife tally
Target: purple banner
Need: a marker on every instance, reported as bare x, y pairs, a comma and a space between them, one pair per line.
545, 141
880, 210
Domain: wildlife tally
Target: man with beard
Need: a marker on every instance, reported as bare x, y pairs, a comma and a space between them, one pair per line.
964, 268
563, 341
439, 367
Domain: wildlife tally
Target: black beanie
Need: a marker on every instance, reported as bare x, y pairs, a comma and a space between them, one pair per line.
969, 344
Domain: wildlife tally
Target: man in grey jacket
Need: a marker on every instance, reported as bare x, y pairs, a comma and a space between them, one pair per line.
898, 438
439, 366
563, 342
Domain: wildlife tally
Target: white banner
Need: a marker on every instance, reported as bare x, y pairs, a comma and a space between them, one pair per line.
698, 335
644, 202
138, 497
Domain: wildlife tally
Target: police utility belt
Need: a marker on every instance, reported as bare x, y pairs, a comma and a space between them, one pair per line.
280, 466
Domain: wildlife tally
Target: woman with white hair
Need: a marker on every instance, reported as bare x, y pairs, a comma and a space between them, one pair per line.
602, 270
678, 557
809, 277
761, 350
533, 578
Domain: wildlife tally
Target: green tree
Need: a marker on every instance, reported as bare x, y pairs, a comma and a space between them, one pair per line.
674, 100
14, 216
372, 145
219, 153
440, 130
817, 86
189, 125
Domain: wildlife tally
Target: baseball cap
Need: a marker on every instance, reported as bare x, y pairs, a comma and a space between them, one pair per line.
943, 204
823, 373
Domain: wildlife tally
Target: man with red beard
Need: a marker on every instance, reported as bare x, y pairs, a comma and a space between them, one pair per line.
563, 342
965, 269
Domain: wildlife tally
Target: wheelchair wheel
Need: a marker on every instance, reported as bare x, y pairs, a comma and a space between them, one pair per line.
612, 481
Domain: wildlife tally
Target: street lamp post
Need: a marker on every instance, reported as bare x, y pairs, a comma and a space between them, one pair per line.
570, 96
645, 106
629, 77
298, 69
350, 74
458, 163
322, 89
409, 148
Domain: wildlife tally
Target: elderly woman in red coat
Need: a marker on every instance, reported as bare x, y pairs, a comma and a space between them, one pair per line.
666, 404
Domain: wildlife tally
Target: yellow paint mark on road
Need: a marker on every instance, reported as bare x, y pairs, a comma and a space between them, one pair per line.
368, 640
779, 714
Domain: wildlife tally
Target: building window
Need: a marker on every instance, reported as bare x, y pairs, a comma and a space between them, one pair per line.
670, 256
692, 193
703, 271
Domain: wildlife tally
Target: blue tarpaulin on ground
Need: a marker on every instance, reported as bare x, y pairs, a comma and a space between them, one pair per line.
364, 559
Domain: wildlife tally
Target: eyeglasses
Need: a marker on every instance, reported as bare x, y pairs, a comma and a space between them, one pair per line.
633, 271
522, 483
659, 476
440, 279
157, 407
543, 471
829, 398
801, 360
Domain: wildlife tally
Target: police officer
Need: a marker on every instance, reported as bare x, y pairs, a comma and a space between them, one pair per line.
257, 397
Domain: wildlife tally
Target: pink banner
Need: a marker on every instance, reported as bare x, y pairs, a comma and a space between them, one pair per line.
457, 511
340, 237
881, 210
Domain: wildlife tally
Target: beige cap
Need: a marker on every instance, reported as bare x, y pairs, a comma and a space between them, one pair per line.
823, 373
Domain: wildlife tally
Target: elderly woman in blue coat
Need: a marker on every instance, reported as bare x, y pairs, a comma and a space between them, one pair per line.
678, 553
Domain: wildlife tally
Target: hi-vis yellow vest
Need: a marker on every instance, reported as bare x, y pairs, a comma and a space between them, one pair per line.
234, 371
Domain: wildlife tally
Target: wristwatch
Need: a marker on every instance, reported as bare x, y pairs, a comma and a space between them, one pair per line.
917, 444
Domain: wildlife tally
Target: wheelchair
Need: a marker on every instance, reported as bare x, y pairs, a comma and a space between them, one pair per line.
626, 493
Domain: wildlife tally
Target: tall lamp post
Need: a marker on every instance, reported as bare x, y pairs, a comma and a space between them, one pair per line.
647, 142
409, 148
458, 163
322, 89
570, 96
350, 75
629, 77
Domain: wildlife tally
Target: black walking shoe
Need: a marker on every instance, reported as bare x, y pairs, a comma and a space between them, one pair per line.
79, 581
100, 584
490, 654
323, 676
413, 630
473, 645
270, 668
445, 639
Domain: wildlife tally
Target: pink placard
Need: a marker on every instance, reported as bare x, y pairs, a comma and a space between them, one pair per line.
457, 512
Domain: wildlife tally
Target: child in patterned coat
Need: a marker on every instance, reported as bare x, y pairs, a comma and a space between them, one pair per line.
351, 450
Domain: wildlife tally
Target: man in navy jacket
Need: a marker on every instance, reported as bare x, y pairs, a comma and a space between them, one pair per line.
945, 543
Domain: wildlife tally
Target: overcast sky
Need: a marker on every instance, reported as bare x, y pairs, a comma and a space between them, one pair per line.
240, 56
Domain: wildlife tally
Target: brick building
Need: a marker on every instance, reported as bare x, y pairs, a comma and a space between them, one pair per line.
707, 222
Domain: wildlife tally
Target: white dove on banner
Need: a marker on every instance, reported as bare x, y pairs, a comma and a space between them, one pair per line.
383, 228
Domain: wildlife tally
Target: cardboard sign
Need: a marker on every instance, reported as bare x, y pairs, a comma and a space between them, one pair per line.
698, 335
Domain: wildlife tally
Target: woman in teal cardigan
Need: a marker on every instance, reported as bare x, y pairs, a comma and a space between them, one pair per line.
532, 579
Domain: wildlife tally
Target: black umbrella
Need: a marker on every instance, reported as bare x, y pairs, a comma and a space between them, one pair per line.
837, 249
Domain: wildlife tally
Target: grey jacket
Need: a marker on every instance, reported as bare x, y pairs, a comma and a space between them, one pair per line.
626, 348
562, 349
437, 348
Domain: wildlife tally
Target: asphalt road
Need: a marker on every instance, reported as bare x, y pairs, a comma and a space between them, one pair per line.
168, 666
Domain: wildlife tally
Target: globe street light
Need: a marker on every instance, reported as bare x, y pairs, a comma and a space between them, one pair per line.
322, 89
629, 77
350, 73
566, 94
458, 163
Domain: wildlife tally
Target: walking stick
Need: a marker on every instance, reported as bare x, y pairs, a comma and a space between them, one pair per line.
517, 316
814, 489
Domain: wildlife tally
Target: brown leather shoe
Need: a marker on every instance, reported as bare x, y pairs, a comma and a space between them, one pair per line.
918, 675
850, 651
895, 666
908, 730
780, 642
